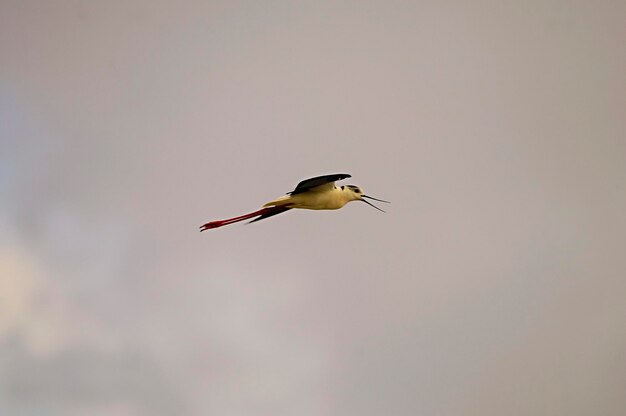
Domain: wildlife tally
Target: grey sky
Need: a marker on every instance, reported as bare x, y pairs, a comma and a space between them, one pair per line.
494, 284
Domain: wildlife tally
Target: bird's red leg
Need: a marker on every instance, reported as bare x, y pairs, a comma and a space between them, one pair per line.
219, 223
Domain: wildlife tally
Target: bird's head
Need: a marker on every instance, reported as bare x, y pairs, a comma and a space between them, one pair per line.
355, 193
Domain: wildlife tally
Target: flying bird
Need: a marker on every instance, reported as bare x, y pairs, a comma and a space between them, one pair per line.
315, 193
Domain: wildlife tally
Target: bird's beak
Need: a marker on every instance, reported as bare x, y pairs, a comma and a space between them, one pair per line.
375, 199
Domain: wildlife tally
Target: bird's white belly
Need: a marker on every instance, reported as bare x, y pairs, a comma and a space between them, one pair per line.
318, 200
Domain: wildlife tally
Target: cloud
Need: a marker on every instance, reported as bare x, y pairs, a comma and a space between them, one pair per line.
30, 305
84, 380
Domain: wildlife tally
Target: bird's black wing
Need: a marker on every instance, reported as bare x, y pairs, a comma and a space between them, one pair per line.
274, 211
307, 184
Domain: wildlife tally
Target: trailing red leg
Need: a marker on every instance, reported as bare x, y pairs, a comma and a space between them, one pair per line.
262, 213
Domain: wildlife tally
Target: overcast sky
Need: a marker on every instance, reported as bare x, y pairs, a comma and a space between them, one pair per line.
493, 285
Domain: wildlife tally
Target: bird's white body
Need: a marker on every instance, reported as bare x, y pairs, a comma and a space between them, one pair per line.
321, 197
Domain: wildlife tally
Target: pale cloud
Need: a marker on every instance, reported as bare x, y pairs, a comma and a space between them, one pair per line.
31, 308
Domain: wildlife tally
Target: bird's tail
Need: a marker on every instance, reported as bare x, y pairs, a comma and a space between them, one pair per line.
262, 213
282, 201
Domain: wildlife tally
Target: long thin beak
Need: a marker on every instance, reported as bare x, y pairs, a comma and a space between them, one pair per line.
375, 199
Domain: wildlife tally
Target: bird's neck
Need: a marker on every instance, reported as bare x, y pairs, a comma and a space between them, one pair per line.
347, 195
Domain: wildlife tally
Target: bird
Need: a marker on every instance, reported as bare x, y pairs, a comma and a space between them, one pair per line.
318, 193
